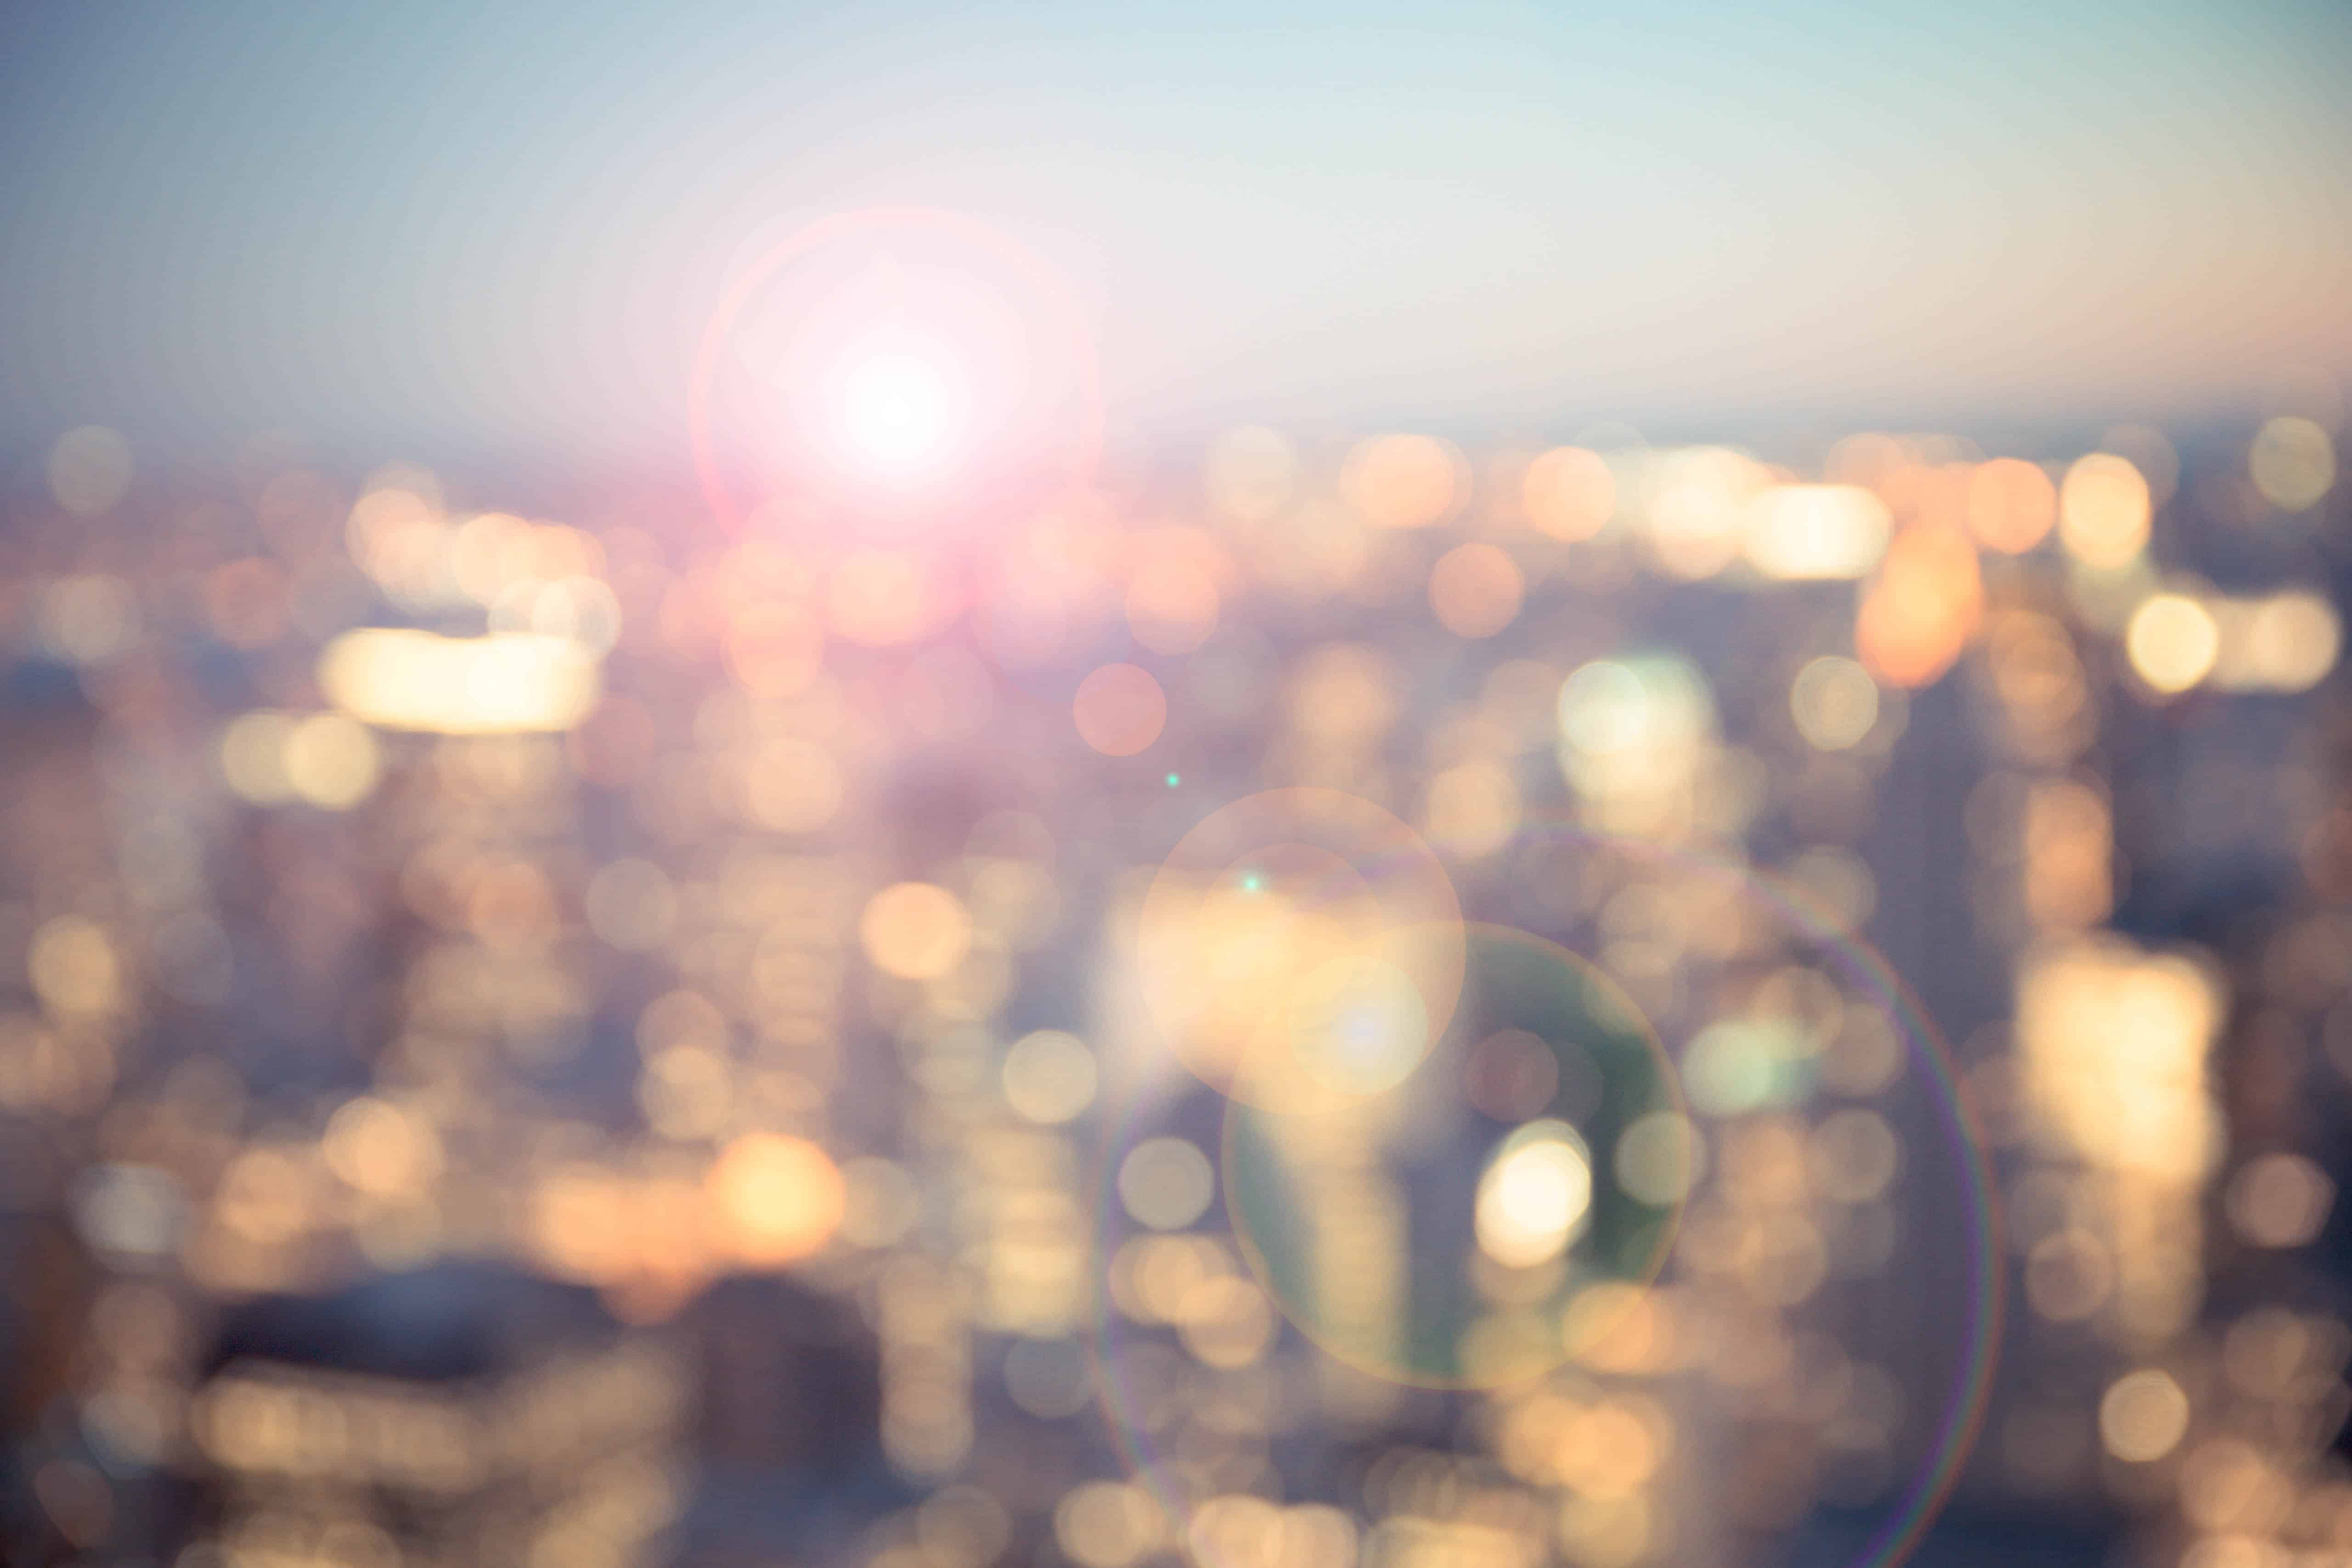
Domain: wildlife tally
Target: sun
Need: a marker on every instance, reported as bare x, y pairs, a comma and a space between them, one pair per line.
899, 409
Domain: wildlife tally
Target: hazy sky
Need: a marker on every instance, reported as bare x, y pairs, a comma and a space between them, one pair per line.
503, 227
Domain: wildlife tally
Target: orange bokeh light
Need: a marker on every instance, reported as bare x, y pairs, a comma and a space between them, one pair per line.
1475, 590
1922, 608
775, 1199
1570, 493
2011, 505
916, 930
1401, 481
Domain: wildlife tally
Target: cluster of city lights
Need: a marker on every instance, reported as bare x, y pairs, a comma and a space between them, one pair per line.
1326, 1013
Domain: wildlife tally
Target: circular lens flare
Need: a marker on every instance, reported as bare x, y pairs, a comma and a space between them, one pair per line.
1360, 1217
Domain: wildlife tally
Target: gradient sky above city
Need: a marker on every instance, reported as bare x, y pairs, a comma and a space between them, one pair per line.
504, 230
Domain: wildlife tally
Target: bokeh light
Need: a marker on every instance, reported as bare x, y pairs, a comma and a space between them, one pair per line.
916, 930
2172, 642
1049, 1076
1920, 611
2103, 511
1570, 493
2293, 462
1403, 482
2011, 505
779, 1198
1835, 702
1294, 946
1120, 709
90, 470
1475, 590
506, 681
2143, 1416
1797, 531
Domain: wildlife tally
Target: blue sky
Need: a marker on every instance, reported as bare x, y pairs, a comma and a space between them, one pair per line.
503, 227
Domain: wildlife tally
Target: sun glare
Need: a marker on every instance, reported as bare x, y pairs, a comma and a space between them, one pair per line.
899, 410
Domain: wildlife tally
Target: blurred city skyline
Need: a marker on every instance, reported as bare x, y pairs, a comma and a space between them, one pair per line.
428, 229
1119, 787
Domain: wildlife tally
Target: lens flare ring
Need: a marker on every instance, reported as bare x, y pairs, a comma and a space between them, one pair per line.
1548, 1212
1551, 1185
